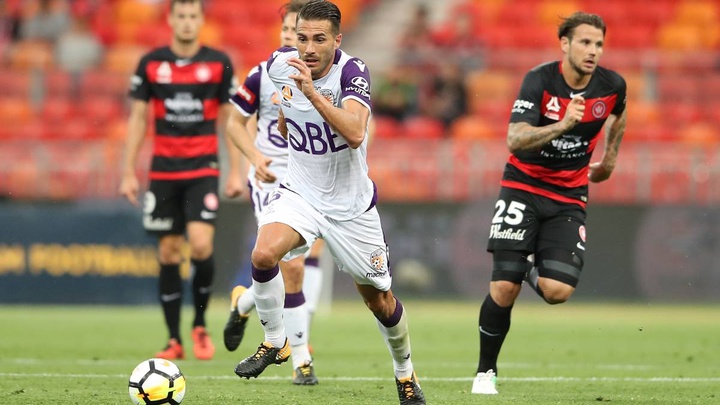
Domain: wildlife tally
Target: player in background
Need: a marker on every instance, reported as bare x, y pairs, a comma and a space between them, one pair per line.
538, 230
325, 110
189, 87
267, 151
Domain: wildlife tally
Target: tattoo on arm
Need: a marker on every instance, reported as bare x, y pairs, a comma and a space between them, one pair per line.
523, 136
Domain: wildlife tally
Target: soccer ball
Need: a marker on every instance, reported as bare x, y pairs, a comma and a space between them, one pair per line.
156, 382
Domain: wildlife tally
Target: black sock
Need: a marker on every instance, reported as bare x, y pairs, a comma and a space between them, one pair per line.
202, 280
494, 325
170, 288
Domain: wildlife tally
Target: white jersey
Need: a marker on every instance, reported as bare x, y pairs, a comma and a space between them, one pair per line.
322, 168
257, 95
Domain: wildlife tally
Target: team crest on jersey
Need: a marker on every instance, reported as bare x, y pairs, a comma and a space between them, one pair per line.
598, 109
377, 259
164, 73
327, 94
211, 201
287, 93
203, 73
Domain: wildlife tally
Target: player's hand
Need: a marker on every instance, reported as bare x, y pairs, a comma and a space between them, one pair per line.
129, 187
234, 186
282, 125
574, 112
303, 78
599, 172
262, 171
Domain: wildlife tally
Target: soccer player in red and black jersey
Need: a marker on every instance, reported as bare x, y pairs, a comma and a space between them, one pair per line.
538, 230
189, 87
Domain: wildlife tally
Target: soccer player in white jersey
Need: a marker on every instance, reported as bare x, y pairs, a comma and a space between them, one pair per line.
267, 152
325, 110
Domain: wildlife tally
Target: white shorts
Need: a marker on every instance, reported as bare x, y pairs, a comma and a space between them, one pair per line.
260, 193
357, 245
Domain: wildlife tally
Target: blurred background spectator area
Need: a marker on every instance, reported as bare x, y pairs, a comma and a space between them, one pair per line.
441, 103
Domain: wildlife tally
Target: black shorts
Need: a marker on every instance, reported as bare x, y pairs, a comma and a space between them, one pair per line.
170, 204
531, 223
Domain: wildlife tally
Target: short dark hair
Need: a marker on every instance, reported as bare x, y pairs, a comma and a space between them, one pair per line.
174, 2
568, 25
322, 10
293, 6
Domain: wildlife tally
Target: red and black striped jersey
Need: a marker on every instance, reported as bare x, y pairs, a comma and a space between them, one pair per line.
186, 95
559, 170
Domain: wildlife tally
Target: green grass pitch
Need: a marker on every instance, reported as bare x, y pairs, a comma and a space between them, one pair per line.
575, 353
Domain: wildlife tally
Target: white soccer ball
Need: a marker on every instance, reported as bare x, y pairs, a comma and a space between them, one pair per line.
156, 382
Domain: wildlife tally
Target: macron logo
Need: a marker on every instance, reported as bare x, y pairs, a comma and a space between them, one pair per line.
360, 65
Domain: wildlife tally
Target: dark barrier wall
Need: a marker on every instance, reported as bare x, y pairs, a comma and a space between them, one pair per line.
98, 252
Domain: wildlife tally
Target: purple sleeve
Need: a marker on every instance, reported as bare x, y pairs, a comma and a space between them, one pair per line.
355, 82
247, 97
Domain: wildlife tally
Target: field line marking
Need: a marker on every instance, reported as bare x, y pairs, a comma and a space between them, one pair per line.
373, 379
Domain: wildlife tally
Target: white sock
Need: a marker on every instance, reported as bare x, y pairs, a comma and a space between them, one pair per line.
246, 302
312, 286
397, 339
296, 321
269, 299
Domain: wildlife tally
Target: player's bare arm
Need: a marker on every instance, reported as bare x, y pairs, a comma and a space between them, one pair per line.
350, 121
614, 131
525, 137
282, 125
245, 143
234, 184
137, 125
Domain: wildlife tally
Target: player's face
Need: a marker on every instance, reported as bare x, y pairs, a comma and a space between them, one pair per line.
584, 51
288, 36
316, 45
186, 19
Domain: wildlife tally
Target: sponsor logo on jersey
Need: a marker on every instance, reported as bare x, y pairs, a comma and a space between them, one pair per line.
327, 94
245, 94
568, 143
207, 215
360, 86
184, 108
359, 64
509, 233
598, 109
520, 106
553, 108
135, 82
157, 224
287, 93
164, 73
377, 259
203, 73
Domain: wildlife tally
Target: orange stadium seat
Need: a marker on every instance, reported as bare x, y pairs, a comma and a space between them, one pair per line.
423, 128
26, 55
101, 110
551, 11
58, 109
137, 12
697, 12
211, 34
700, 134
227, 13
15, 110
495, 86
123, 58
470, 127
680, 37
153, 35
387, 127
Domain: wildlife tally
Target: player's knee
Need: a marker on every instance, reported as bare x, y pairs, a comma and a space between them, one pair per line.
201, 251
555, 292
263, 258
504, 293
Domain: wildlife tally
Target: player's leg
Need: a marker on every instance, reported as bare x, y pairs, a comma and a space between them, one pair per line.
296, 321
561, 252
200, 207
163, 217
313, 277
284, 229
359, 249
171, 292
512, 238
242, 299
